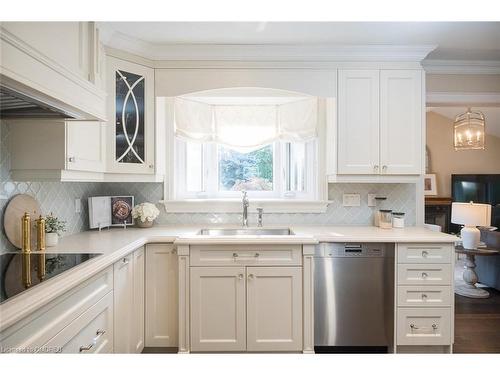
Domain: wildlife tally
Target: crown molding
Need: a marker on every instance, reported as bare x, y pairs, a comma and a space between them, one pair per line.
448, 99
262, 52
461, 66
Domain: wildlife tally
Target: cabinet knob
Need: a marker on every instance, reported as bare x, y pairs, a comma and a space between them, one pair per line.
384, 168
240, 276
424, 275
251, 276
71, 159
375, 168
151, 166
424, 296
424, 254
125, 261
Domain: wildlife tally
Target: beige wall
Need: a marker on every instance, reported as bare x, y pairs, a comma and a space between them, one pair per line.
463, 83
445, 161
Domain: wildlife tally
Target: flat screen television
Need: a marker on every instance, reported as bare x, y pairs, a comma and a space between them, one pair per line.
479, 188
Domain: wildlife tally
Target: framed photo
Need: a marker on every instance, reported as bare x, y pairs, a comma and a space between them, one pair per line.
430, 187
121, 210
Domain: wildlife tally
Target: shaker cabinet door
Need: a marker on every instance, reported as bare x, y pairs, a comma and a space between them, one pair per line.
358, 122
401, 125
274, 305
218, 309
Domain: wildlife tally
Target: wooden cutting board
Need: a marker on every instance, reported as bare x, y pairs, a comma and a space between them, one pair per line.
14, 211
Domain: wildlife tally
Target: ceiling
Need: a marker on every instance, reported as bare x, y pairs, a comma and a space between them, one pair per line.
491, 114
454, 40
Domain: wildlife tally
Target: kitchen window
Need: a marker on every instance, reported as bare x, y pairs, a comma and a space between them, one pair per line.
278, 170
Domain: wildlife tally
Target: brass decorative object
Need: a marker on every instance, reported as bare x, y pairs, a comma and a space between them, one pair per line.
26, 270
40, 233
26, 233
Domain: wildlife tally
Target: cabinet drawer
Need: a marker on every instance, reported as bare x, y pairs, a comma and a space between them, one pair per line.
36, 329
424, 253
424, 326
424, 274
424, 296
91, 332
262, 255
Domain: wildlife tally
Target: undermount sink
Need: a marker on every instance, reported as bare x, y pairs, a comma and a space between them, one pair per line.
247, 232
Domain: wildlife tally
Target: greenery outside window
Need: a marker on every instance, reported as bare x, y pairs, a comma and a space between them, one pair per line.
279, 170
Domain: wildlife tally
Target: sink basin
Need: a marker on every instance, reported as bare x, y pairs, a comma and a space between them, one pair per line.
247, 232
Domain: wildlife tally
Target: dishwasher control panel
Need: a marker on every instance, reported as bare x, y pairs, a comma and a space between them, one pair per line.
352, 250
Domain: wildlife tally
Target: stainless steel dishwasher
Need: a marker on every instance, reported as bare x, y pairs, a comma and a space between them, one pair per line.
353, 297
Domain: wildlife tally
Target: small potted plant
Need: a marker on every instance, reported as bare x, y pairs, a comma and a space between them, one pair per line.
53, 229
144, 214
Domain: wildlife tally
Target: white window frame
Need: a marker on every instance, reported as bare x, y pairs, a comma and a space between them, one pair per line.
210, 174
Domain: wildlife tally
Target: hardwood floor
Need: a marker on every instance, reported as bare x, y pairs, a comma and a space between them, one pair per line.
477, 324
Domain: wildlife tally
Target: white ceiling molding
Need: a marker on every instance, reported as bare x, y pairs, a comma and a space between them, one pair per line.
451, 99
461, 66
263, 52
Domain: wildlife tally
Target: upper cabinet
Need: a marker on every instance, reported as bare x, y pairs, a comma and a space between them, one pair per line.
358, 125
60, 63
380, 122
131, 118
57, 149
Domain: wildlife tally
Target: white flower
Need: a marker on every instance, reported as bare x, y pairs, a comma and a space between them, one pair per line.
145, 212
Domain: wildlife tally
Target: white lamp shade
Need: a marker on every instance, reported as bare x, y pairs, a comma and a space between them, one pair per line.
473, 214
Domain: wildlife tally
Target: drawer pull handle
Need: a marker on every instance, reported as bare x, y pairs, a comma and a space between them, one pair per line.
424, 275
236, 255
125, 261
86, 348
413, 326
424, 254
99, 334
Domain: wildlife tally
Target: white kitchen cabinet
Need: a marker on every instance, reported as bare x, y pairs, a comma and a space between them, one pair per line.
91, 332
358, 124
218, 309
129, 303
131, 117
58, 150
401, 144
138, 337
274, 309
70, 321
56, 62
380, 122
161, 296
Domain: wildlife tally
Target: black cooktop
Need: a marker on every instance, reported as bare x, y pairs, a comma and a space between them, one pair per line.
21, 271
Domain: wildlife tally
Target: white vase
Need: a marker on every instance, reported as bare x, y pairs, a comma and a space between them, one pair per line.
51, 239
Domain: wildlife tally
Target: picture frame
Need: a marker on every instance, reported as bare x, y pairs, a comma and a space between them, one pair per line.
430, 187
121, 210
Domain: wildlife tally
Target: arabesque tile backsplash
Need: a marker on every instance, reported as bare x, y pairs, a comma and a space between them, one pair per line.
59, 198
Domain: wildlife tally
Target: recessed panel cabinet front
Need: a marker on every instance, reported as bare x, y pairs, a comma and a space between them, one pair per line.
274, 309
401, 121
358, 126
218, 309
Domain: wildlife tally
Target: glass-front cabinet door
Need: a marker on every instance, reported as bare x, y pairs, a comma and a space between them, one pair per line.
130, 117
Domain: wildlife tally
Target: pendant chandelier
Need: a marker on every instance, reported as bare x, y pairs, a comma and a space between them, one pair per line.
469, 131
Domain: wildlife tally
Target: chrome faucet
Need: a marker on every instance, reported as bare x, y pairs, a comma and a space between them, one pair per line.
260, 210
245, 203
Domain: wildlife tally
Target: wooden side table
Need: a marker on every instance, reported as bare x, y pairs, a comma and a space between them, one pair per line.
470, 276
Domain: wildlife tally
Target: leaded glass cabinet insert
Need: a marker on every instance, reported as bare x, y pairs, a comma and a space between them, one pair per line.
129, 119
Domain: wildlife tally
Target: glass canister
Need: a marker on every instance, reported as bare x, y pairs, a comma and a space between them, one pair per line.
398, 219
385, 220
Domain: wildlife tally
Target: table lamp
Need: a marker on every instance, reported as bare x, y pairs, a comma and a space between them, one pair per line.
470, 215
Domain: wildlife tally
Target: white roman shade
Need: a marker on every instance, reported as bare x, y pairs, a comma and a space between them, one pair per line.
246, 122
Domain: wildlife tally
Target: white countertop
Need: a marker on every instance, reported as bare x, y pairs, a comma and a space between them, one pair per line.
118, 242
